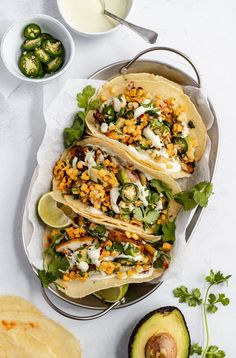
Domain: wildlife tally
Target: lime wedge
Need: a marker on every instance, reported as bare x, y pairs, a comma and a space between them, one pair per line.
50, 214
112, 294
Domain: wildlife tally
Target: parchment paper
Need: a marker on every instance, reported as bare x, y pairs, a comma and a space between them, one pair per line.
60, 106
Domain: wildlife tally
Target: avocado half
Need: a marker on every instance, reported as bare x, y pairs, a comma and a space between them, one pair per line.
162, 333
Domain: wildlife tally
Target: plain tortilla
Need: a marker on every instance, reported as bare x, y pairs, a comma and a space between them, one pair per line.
166, 90
142, 76
78, 289
34, 328
17, 304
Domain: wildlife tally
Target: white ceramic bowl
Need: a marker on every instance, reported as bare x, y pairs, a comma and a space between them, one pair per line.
93, 34
13, 38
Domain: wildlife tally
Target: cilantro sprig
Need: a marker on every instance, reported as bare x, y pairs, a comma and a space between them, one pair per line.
86, 103
210, 304
195, 349
193, 298
198, 195
57, 266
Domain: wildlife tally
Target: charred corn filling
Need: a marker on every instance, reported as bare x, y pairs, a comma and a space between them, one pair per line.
94, 252
156, 127
100, 181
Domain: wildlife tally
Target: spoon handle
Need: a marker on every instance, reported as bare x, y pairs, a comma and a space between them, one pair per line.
148, 35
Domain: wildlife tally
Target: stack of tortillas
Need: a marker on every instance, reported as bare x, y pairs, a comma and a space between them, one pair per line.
26, 333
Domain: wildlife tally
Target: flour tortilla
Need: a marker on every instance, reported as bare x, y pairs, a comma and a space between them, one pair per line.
17, 304
141, 76
98, 216
79, 289
34, 335
164, 89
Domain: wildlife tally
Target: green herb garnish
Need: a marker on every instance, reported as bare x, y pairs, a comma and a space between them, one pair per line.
56, 267
75, 132
195, 349
168, 231
210, 302
85, 102
161, 187
198, 195
146, 216
193, 298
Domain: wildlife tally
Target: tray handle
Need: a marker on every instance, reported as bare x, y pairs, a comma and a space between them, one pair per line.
124, 69
75, 317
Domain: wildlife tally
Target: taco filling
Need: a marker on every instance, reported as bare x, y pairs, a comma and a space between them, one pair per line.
155, 126
112, 188
88, 251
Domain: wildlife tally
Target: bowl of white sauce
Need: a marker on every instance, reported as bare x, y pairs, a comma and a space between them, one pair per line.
86, 16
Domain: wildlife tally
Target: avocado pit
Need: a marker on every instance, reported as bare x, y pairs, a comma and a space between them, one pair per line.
161, 345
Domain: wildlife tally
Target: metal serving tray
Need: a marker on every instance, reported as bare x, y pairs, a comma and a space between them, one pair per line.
136, 292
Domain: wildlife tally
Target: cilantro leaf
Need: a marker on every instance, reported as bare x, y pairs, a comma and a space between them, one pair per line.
168, 230
98, 231
56, 267
214, 352
146, 215
46, 277
213, 300
75, 132
193, 298
84, 97
195, 349
186, 199
198, 195
153, 197
216, 278
94, 105
161, 187
202, 192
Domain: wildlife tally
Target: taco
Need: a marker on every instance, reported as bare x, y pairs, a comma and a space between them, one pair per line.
99, 182
90, 257
153, 121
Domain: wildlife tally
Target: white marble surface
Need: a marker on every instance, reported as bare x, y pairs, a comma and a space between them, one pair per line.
204, 29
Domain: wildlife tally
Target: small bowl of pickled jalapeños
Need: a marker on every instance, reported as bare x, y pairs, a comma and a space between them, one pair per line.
37, 49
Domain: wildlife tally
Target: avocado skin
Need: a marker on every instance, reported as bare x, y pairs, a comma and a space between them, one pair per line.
161, 310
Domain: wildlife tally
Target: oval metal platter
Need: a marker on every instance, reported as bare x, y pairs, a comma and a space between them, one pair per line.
136, 292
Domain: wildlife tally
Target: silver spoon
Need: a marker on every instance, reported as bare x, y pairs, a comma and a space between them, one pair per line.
148, 35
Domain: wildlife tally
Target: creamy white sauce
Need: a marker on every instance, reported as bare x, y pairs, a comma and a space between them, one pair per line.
104, 127
90, 159
114, 195
159, 206
94, 255
117, 104
154, 138
74, 162
83, 266
87, 15
123, 256
143, 193
185, 131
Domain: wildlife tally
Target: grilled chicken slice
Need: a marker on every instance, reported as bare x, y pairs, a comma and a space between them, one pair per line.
74, 244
